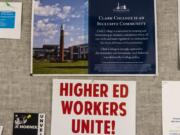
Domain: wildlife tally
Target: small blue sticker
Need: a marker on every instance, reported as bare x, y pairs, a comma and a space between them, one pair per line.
7, 19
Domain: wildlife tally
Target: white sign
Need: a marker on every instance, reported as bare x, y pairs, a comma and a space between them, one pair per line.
1, 129
170, 105
87, 107
10, 20
179, 30
41, 124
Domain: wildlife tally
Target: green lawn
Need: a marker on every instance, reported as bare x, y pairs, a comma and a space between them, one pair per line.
75, 67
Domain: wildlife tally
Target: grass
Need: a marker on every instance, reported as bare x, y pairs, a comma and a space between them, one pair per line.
46, 67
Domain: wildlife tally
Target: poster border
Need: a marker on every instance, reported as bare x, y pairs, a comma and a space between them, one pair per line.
101, 75
54, 80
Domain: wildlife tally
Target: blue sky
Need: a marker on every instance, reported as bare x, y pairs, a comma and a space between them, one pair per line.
49, 15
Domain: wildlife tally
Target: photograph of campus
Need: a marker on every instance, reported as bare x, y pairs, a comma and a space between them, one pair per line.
60, 37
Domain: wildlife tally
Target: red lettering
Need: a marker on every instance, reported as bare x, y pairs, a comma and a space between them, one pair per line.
96, 90
78, 91
107, 126
66, 107
88, 108
97, 108
94, 108
113, 109
123, 109
104, 90
120, 91
63, 89
93, 126
77, 105
124, 91
71, 90
115, 90
99, 124
87, 90
75, 126
85, 126
105, 108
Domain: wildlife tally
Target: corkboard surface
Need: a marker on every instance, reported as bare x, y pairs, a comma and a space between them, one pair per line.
20, 92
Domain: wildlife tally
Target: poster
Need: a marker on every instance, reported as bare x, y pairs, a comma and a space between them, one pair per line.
1, 129
10, 20
122, 37
171, 110
59, 37
85, 38
29, 124
93, 107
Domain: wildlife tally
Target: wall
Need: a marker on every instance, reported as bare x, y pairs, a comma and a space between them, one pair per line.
20, 92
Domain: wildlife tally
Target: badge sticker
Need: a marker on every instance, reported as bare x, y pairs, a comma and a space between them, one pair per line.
7, 19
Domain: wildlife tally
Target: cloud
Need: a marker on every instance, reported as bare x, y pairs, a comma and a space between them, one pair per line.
50, 16
51, 10
46, 10
84, 7
76, 16
86, 4
71, 39
76, 40
46, 29
69, 28
78, 28
46, 20
67, 20
65, 12
66, 33
82, 37
67, 9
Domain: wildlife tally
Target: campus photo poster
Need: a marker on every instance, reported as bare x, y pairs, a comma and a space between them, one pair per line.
60, 37
93, 107
81, 37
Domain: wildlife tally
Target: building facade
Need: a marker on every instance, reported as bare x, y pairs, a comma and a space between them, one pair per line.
57, 53
52, 53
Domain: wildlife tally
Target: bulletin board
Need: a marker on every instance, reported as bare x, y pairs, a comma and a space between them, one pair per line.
21, 92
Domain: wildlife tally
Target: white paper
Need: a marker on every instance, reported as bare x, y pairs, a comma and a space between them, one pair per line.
41, 124
62, 123
179, 30
1, 129
170, 106
12, 33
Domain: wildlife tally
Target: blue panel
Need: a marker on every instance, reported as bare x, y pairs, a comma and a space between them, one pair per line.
122, 37
7, 19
